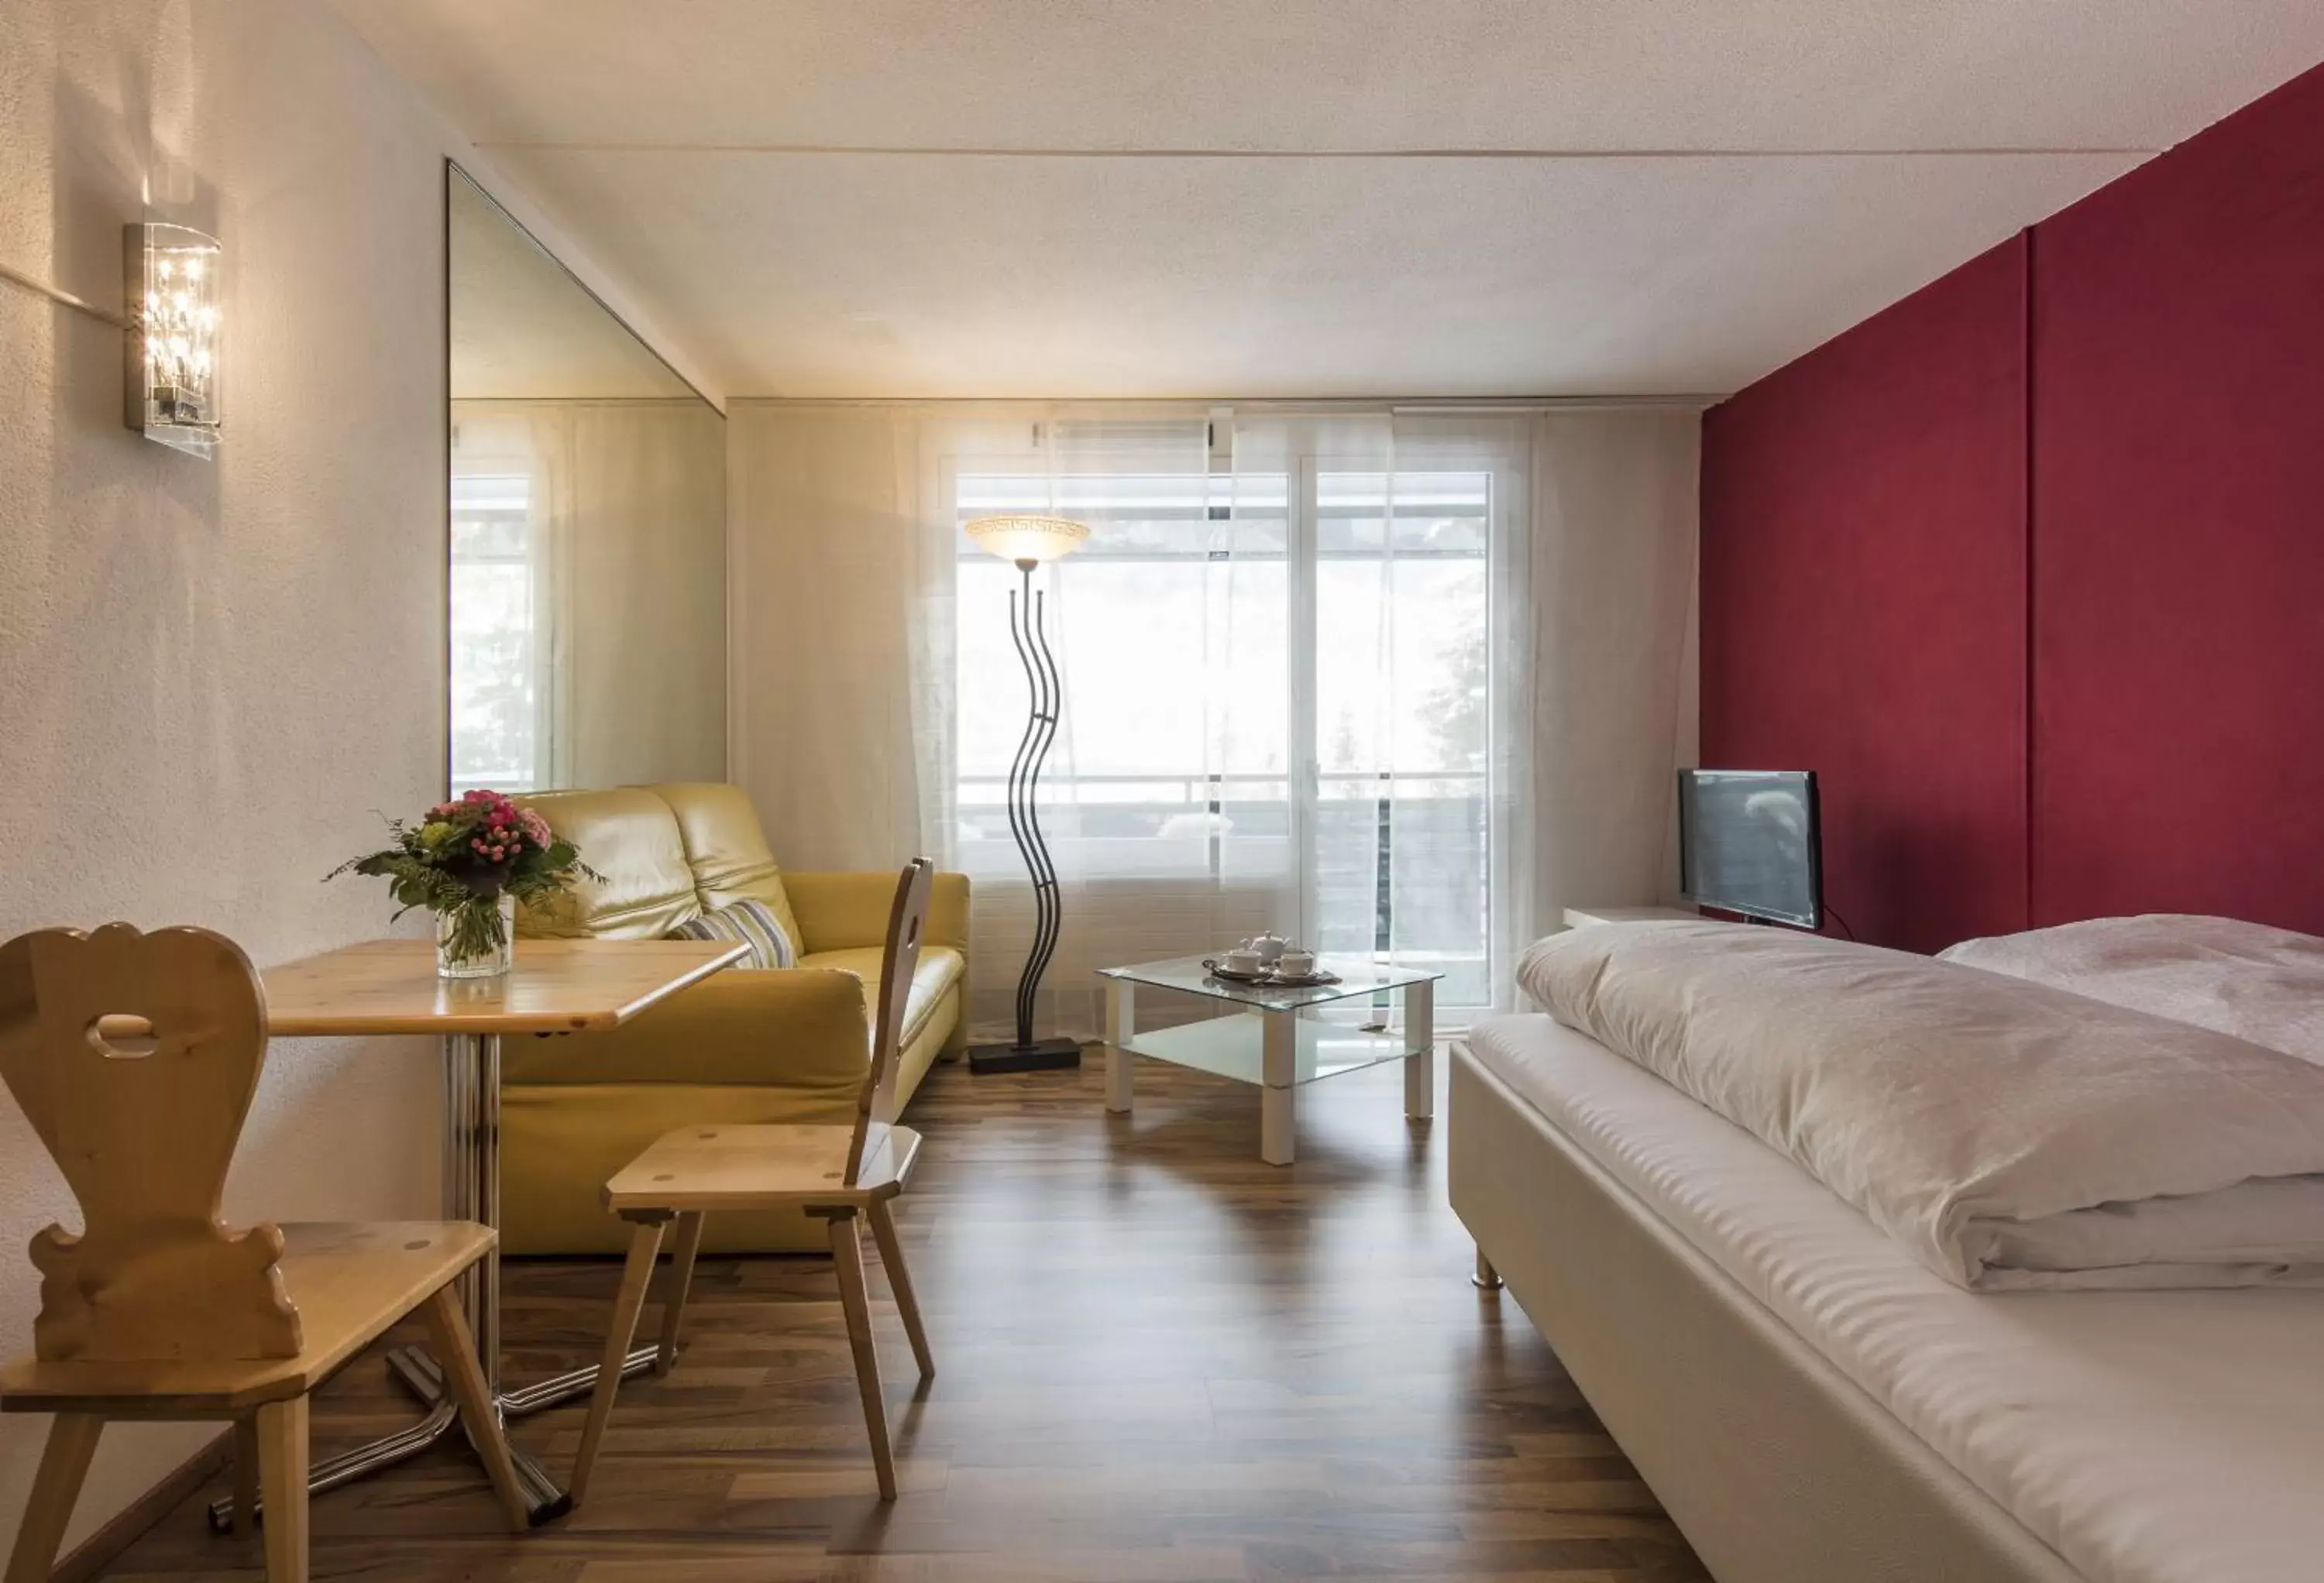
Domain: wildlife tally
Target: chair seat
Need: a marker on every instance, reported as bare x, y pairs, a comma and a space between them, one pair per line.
762, 1166
351, 1281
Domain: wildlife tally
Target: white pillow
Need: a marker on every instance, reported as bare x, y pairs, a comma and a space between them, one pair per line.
2257, 983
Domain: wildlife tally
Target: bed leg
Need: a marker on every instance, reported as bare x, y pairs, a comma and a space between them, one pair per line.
1486, 1278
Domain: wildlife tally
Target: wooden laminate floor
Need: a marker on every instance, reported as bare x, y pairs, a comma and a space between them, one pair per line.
1160, 1360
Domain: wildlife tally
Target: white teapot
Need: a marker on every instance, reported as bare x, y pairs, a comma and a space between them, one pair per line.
1270, 947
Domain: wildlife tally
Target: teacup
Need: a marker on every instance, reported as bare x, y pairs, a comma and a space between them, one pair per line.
1295, 963
1242, 960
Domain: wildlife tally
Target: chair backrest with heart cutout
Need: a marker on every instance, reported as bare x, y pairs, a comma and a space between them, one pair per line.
135, 1057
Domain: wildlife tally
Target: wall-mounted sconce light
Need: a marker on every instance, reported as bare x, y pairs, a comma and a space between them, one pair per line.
172, 277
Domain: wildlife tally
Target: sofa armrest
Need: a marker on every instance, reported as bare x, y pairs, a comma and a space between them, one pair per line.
803, 1028
848, 911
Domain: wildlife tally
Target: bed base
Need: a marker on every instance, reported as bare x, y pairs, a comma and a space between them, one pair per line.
1775, 1465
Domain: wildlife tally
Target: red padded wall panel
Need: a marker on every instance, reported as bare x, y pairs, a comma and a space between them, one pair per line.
2179, 530
1864, 601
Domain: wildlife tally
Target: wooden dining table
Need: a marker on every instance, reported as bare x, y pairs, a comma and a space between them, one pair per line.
556, 987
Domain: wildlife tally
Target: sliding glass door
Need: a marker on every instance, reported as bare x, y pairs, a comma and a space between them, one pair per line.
1284, 707
1399, 855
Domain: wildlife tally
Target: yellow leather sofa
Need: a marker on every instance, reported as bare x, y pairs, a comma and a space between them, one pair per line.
774, 1045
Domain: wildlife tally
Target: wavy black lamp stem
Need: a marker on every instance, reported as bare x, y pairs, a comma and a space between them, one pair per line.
1025, 630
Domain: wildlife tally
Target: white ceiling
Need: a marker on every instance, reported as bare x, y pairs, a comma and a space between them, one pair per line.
523, 327
1308, 197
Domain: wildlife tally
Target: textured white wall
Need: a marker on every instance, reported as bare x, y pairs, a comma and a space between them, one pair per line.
211, 674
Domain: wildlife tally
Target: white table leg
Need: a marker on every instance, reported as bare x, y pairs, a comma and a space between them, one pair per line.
1278, 1071
1420, 1039
1121, 1023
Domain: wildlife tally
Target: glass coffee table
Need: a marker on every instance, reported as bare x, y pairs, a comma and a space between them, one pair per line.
1266, 1042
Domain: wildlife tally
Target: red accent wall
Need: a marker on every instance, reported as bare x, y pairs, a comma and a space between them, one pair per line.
1864, 601
2129, 400
2179, 563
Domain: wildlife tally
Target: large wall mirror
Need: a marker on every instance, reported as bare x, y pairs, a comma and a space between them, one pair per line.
587, 600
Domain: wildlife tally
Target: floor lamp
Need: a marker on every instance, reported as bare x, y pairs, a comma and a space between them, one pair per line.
1027, 542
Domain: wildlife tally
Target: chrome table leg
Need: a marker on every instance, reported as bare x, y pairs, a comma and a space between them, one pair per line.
360, 1463
472, 1191
417, 1369
572, 1386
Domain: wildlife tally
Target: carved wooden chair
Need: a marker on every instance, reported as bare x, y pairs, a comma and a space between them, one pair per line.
135, 1057
833, 1173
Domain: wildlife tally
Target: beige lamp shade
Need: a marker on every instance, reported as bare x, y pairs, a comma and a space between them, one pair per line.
1026, 538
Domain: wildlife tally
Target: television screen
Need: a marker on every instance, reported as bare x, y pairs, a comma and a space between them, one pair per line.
1747, 843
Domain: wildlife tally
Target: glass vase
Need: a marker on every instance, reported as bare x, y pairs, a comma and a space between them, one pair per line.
477, 939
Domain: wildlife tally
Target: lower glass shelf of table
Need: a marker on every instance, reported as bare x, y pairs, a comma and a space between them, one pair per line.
1265, 1041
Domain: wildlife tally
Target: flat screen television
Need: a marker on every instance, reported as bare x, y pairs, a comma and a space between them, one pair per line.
1747, 843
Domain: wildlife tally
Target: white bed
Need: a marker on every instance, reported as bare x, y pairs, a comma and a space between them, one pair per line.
1815, 1406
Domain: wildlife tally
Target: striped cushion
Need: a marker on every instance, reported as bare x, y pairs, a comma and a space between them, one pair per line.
750, 922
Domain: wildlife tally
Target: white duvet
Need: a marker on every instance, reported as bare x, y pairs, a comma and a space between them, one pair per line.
2007, 1134
2257, 982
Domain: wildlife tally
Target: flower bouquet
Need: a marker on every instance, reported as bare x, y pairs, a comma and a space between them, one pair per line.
470, 861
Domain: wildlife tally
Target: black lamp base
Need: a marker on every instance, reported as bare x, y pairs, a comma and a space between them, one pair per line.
1040, 1055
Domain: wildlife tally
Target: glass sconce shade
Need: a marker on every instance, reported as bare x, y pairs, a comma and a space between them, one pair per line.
173, 289
1026, 538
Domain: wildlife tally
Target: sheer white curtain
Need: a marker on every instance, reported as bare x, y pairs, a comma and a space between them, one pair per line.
1396, 743
1316, 669
1165, 801
842, 571
588, 616
512, 529
879, 700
